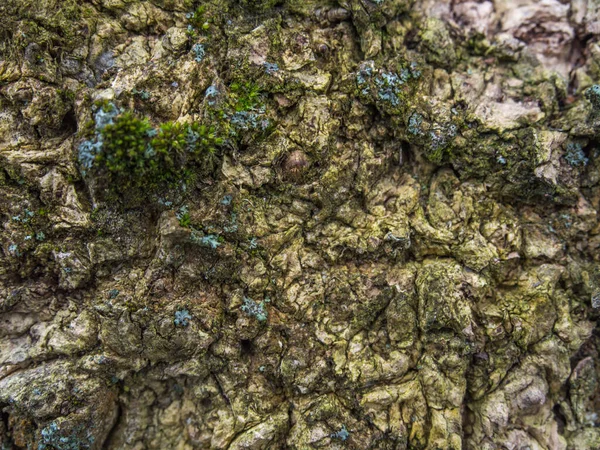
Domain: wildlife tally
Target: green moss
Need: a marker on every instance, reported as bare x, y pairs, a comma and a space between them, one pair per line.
183, 215
130, 152
197, 20
125, 146
244, 96
240, 113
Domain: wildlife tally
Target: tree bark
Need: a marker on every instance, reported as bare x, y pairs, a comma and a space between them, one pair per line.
265, 224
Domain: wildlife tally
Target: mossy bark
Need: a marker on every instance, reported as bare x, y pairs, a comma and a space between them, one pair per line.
395, 246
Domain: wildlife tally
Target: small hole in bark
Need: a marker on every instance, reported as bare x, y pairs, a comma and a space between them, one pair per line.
560, 419
69, 122
246, 347
404, 154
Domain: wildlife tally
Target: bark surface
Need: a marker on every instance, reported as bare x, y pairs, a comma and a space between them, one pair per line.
296, 224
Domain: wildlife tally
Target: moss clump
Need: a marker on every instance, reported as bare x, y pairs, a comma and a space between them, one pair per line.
197, 22
242, 113
244, 96
125, 146
129, 151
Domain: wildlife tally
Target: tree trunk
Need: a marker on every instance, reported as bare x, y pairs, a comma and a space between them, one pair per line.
295, 224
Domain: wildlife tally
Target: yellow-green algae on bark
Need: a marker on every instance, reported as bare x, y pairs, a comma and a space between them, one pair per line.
391, 241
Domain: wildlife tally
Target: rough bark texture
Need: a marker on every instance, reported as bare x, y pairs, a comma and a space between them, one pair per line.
395, 244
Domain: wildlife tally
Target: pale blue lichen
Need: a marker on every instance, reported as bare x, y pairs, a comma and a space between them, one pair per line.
24, 217
385, 85
388, 84
254, 309
143, 94
105, 115
441, 135
414, 124
343, 434
595, 299
387, 95
209, 240
404, 241
53, 439
567, 219
88, 149
182, 318
437, 139
192, 138
253, 243
593, 95
199, 52
250, 120
183, 214
364, 75
415, 72
575, 155
211, 94
389, 79
87, 152
233, 226
270, 68
150, 152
